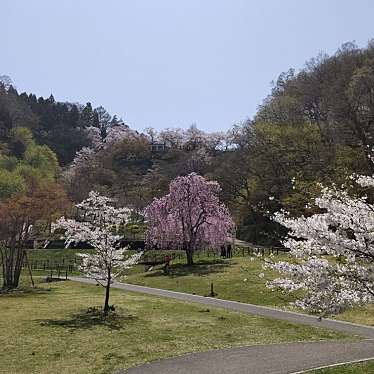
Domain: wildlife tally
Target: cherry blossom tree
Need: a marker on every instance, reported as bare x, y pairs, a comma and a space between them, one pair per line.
114, 134
189, 217
100, 229
88, 162
118, 133
333, 252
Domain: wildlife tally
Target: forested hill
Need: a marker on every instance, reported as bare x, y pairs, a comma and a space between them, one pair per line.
61, 126
316, 126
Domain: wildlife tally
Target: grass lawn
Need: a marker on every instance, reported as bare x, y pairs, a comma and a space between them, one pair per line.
48, 330
52, 259
359, 368
56, 256
233, 279
228, 277
363, 315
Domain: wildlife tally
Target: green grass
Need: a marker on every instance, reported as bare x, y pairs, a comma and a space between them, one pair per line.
228, 277
363, 315
233, 279
56, 255
359, 368
48, 330
52, 259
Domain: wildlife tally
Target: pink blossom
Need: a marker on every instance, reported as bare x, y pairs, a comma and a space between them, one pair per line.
189, 217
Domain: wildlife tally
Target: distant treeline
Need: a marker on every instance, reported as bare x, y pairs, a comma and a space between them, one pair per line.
316, 126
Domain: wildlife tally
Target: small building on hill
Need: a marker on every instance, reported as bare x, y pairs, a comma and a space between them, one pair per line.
158, 147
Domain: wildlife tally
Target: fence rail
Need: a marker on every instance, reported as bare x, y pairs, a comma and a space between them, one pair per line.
152, 257
54, 266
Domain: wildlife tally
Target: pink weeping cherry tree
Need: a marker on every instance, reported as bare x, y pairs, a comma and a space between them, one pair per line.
189, 217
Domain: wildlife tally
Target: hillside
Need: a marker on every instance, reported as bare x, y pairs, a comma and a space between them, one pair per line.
316, 126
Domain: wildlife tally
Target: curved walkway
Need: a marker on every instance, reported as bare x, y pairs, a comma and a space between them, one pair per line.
346, 327
261, 359
257, 359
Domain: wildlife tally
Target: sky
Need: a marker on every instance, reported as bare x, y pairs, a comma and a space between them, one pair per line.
168, 63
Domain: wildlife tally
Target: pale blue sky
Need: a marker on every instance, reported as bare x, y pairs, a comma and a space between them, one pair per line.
167, 63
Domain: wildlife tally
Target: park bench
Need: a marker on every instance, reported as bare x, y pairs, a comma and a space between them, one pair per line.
150, 262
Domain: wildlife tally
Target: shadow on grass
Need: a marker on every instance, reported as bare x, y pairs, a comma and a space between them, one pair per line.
201, 267
91, 318
24, 291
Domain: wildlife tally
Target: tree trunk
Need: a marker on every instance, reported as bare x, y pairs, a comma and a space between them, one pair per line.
12, 266
107, 292
189, 254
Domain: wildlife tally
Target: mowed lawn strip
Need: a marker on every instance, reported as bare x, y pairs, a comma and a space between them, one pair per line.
233, 279
50, 331
60, 256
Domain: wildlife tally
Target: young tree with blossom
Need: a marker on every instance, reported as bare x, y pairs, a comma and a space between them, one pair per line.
189, 217
333, 252
100, 229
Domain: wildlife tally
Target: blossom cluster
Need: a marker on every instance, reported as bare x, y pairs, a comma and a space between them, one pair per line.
333, 252
99, 228
116, 134
189, 215
86, 158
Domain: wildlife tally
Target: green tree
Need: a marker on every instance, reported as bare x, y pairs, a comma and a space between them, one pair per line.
10, 184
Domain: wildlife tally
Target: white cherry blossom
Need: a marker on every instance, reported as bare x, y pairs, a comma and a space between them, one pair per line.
332, 252
98, 227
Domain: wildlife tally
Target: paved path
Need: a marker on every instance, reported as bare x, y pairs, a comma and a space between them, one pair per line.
346, 327
257, 359
261, 359
242, 243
